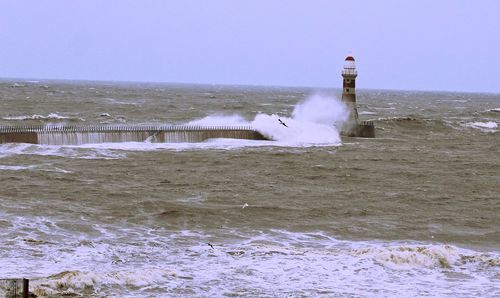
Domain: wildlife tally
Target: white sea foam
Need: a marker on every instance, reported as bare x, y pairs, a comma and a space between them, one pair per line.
410, 257
51, 116
277, 261
367, 113
62, 151
44, 168
220, 120
224, 144
315, 121
15, 168
391, 108
12, 149
485, 126
56, 170
116, 101
197, 199
297, 133
77, 281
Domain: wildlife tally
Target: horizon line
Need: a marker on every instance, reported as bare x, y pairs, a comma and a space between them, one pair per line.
101, 81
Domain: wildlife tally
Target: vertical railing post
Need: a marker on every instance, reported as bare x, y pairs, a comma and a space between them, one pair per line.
26, 288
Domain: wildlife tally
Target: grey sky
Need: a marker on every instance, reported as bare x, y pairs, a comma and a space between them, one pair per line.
419, 45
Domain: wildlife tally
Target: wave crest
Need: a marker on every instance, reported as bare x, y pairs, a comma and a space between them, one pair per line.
77, 282
489, 126
49, 117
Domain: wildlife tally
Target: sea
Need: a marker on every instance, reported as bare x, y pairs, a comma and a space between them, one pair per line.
310, 213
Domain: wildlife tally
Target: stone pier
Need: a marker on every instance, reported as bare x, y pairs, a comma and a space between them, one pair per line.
90, 134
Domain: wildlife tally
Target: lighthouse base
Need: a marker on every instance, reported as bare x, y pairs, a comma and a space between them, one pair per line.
365, 129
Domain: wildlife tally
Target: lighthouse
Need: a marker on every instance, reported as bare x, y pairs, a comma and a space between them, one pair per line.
354, 127
349, 74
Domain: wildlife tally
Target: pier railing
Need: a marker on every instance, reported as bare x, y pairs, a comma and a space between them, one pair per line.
114, 128
85, 134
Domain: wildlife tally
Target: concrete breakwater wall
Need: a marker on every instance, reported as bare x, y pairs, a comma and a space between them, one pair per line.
363, 129
91, 134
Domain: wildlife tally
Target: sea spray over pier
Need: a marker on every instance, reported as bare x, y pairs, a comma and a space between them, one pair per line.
313, 121
78, 135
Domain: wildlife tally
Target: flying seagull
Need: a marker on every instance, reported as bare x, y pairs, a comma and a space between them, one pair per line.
282, 123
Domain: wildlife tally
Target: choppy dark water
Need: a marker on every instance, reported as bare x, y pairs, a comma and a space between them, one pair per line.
414, 211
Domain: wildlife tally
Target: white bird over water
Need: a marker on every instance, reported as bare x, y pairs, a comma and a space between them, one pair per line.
244, 205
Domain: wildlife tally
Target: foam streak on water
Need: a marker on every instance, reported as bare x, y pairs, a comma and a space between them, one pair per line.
84, 152
50, 116
486, 126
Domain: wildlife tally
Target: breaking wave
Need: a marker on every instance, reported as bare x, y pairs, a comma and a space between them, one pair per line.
79, 152
314, 122
75, 282
489, 126
182, 262
51, 117
492, 111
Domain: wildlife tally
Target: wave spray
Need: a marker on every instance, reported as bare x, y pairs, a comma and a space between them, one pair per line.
315, 121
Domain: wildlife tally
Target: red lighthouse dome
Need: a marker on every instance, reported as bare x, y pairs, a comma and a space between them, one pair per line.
349, 58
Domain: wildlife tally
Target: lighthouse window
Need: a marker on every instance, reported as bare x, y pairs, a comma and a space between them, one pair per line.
347, 90
348, 80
